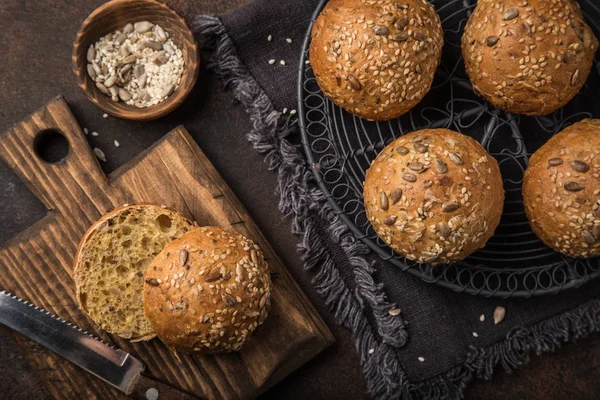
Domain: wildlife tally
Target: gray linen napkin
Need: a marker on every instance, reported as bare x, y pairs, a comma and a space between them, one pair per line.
430, 350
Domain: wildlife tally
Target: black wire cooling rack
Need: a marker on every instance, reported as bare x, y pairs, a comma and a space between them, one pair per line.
340, 148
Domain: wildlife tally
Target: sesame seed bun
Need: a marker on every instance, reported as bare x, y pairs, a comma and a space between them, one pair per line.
434, 196
208, 291
561, 190
528, 57
376, 59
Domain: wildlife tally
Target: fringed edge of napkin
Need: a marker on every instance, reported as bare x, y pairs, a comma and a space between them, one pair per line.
301, 198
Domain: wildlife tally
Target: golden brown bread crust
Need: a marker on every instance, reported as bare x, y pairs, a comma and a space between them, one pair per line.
377, 60
434, 195
84, 288
561, 190
528, 57
207, 291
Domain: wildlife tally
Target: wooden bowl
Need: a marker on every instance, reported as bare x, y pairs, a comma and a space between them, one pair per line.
113, 16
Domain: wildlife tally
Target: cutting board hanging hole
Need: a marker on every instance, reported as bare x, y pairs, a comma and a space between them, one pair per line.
51, 145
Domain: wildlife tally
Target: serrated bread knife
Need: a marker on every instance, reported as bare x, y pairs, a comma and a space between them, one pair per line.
113, 366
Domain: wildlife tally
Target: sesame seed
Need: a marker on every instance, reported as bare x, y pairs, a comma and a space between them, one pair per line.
482, 318
282, 62
269, 38
271, 61
371, 351
94, 133
288, 40
292, 112
285, 110
475, 334
104, 115
421, 359
85, 130
117, 144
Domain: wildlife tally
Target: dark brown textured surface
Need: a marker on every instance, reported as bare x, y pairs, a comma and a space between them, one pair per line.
37, 68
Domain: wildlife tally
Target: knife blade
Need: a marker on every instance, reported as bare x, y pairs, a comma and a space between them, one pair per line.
114, 366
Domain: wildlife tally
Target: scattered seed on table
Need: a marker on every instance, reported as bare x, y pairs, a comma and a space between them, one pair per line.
100, 154
475, 334
282, 62
85, 130
482, 317
104, 115
117, 144
371, 351
269, 38
272, 61
421, 359
292, 112
499, 314
285, 110
94, 133
288, 40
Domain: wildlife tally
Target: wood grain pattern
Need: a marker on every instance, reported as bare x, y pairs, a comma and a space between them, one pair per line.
115, 15
37, 264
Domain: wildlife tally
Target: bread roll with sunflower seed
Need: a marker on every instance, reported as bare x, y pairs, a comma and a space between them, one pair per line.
377, 59
434, 196
561, 190
208, 291
111, 260
528, 56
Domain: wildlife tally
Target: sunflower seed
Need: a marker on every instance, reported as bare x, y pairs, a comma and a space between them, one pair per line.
394, 311
110, 81
153, 45
168, 89
100, 154
573, 186
91, 53
213, 276
418, 138
129, 59
228, 299
499, 314
354, 83
124, 51
580, 166
160, 33
588, 237
450, 207
420, 148
142, 26
102, 88
417, 167
91, 72
142, 80
151, 282
128, 28
183, 257
389, 220
553, 162
455, 158
263, 300
396, 195
511, 13
120, 38
440, 166
381, 30
575, 78
444, 229
399, 37
402, 150
383, 201
408, 177
492, 40
420, 37
401, 23
124, 95
596, 231
96, 67
138, 70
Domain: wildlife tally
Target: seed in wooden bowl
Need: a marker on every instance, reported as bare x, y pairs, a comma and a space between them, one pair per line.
138, 65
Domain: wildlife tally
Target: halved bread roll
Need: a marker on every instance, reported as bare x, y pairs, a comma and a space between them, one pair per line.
111, 261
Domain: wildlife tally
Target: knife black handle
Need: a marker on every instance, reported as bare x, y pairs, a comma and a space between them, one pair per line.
148, 388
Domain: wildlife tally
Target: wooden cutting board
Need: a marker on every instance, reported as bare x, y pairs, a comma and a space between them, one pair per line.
37, 264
